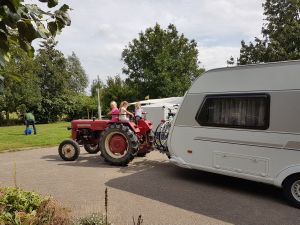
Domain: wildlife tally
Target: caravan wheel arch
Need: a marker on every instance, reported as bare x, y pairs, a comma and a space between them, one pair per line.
283, 175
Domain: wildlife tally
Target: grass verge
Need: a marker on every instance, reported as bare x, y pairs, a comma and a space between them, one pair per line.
12, 138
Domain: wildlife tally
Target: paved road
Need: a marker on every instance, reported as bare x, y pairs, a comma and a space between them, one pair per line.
151, 186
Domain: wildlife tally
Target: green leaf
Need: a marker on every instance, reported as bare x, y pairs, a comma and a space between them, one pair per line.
15, 3
26, 46
52, 27
64, 8
4, 44
26, 30
52, 3
3, 59
63, 18
43, 32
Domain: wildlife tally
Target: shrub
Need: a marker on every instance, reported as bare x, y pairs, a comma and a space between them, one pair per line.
10, 122
50, 212
15, 199
94, 219
19, 207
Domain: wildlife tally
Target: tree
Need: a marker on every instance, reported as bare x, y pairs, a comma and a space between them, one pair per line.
62, 84
115, 89
78, 78
48, 85
81, 106
281, 34
54, 82
21, 86
97, 83
22, 23
160, 63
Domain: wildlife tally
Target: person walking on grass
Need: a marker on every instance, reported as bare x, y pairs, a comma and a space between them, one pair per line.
30, 120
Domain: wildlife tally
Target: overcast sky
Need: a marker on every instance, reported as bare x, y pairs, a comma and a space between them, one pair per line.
102, 28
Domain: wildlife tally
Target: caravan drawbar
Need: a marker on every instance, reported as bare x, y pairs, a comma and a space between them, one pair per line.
244, 122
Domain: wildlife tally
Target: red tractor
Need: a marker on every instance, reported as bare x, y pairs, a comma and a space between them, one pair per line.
119, 142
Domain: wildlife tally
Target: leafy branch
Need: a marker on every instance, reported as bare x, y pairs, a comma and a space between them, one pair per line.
22, 23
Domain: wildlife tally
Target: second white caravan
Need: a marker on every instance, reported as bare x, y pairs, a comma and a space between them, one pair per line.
245, 122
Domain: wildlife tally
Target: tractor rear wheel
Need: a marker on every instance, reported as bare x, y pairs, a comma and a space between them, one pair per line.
118, 144
69, 150
92, 148
141, 154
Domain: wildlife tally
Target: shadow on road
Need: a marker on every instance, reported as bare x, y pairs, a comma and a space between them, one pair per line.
228, 199
89, 160
84, 160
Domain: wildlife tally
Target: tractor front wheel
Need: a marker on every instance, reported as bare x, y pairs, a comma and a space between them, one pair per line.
69, 150
118, 144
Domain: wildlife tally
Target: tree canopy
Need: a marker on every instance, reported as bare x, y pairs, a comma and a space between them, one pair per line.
50, 85
160, 63
54, 79
281, 34
78, 77
20, 92
22, 23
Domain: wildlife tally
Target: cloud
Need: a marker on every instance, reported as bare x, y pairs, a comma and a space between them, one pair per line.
214, 57
101, 28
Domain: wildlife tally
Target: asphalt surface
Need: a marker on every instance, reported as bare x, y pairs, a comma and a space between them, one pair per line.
151, 186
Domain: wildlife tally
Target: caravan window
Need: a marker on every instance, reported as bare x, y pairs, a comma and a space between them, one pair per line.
250, 111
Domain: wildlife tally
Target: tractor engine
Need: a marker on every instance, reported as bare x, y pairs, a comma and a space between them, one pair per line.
87, 136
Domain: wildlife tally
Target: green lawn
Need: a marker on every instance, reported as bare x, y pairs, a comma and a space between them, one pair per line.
13, 138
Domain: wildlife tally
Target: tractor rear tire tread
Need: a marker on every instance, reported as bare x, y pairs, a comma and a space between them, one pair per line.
132, 145
141, 154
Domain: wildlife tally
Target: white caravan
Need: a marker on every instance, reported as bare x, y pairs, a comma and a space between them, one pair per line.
244, 122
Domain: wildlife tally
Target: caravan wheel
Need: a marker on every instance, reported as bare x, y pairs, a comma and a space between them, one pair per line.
291, 190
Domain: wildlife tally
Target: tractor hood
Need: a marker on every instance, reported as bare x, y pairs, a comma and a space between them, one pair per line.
91, 124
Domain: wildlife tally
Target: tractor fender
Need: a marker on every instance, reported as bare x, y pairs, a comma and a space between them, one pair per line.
131, 125
282, 175
134, 127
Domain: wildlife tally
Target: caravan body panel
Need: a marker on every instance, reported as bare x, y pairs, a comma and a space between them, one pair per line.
242, 121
